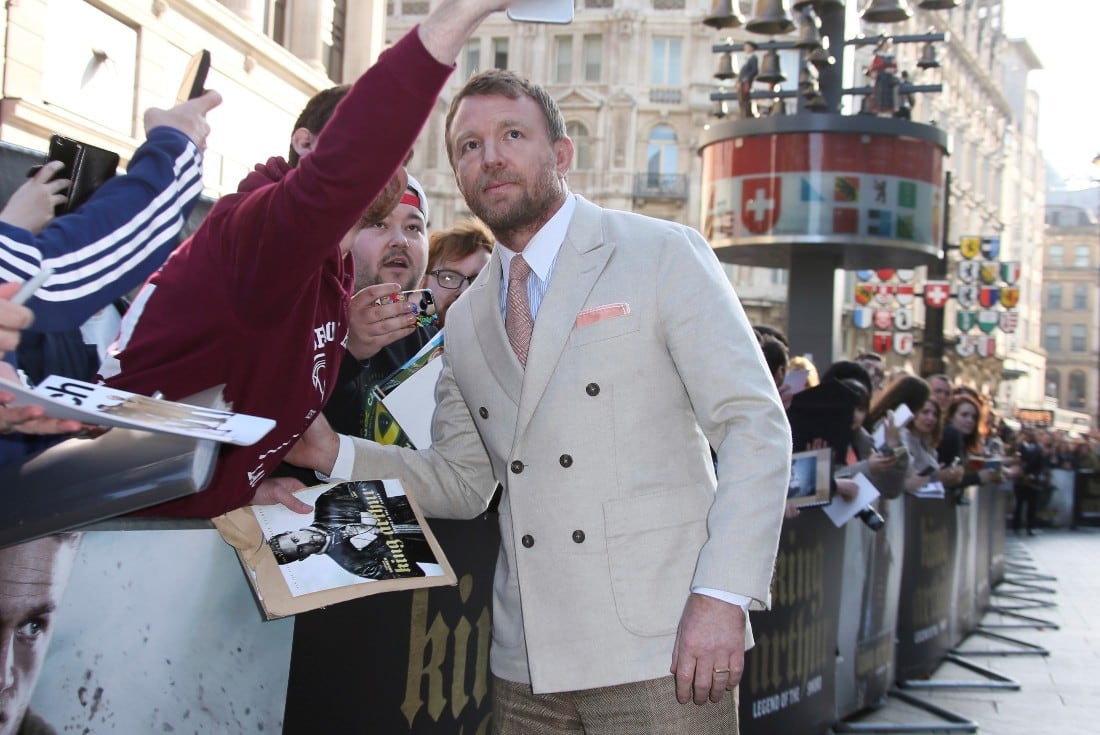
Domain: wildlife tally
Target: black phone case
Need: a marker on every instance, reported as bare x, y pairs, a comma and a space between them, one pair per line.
86, 166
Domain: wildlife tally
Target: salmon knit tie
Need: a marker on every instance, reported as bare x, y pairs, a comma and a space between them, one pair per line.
518, 321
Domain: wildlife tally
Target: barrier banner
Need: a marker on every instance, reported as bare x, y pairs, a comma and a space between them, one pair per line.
927, 584
1086, 499
402, 662
790, 675
874, 659
983, 544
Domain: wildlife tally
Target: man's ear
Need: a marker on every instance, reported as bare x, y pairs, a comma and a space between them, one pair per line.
303, 142
563, 153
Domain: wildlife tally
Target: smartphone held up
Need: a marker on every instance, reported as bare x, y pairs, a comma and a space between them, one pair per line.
541, 11
423, 305
194, 77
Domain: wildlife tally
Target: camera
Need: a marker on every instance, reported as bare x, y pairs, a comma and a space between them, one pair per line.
871, 518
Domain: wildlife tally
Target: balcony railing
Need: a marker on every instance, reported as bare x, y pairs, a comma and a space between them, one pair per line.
665, 96
660, 186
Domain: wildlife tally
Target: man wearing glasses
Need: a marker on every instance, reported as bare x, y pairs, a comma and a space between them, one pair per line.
455, 257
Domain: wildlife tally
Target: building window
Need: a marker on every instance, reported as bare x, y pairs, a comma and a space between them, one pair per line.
1057, 254
593, 58
1077, 338
333, 23
500, 53
582, 145
1052, 383
1081, 256
1075, 395
471, 57
660, 154
275, 21
1080, 296
563, 59
1054, 296
666, 62
1053, 340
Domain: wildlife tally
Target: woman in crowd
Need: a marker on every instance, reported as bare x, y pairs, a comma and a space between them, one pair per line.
885, 469
922, 436
962, 438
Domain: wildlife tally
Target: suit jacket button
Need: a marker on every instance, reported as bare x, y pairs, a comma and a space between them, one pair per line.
483, 412
578, 536
528, 541
565, 460
592, 389
517, 467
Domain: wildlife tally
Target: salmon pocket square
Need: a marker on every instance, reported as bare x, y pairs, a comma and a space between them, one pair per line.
599, 313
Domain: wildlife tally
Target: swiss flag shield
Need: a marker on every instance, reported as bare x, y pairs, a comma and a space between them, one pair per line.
761, 200
936, 293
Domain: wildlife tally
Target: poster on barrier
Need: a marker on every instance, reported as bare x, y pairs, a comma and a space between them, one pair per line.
789, 678
927, 586
410, 661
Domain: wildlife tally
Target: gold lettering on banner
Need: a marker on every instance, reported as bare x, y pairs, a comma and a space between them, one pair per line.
429, 645
795, 655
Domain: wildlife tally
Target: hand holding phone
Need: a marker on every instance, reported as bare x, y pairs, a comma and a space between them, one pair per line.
427, 315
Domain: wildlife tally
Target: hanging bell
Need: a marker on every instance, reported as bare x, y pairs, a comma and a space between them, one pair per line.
779, 107
720, 110
771, 17
886, 11
820, 56
725, 66
770, 72
938, 4
816, 102
725, 14
809, 31
928, 58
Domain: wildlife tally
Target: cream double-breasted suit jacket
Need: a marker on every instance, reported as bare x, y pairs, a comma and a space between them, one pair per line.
611, 512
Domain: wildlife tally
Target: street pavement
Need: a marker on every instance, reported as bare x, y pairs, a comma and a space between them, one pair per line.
1051, 578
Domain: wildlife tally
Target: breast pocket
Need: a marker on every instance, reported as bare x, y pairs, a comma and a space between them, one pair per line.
610, 328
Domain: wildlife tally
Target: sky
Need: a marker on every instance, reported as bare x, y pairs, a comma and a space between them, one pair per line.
1064, 35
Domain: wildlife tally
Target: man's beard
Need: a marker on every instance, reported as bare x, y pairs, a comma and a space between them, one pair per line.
530, 211
364, 278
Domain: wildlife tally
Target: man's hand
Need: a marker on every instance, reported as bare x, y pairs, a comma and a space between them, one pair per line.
878, 463
32, 205
280, 490
710, 649
317, 448
13, 318
373, 326
187, 117
28, 419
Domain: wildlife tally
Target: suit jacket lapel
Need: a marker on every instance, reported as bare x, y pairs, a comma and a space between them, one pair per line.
580, 262
484, 297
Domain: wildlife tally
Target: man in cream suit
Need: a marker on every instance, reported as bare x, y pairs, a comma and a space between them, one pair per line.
622, 560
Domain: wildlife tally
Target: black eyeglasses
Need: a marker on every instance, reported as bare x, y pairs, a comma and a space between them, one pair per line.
451, 279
